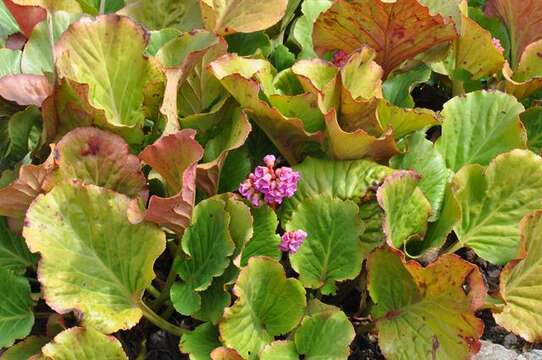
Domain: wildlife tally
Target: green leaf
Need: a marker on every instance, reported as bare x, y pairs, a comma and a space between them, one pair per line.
93, 6
106, 54
16, 317
522, 304
302, 31
406, 207
349, 25
264, 241
491, 128
200, 342
249, 44
332, 250
326, 334
97, 157
245, 16
268, 305
37, 55
426, 161
159, 38
83, 344
280, 350
494, 200
235, 170
282, 58
17, 133
424, 313
404, 121
8, 25
160, 14
101, 271
215, 298
208, 244
14, 255
372, 217
10, 61
532, 119
346, 180
397, 88
25, 349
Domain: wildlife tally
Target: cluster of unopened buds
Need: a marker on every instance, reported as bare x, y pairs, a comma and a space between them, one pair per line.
269, 185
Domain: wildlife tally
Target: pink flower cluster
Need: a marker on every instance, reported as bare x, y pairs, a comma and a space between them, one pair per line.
498, 45
291, 241
269, 184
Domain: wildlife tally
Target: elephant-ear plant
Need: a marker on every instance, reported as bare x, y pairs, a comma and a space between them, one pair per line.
287, 179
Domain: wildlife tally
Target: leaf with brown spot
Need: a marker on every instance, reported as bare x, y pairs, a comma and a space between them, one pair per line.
397, 30
98, 157
424, 313
223, 353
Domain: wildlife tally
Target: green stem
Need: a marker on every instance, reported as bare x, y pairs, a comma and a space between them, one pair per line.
153, 291
102, 6
164, 294
161, 323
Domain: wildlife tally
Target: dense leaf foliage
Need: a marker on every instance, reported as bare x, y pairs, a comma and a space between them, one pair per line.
268, 179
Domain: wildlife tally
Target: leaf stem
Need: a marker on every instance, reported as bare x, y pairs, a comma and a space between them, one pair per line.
102, 6
164, 294
160, 322
153, 291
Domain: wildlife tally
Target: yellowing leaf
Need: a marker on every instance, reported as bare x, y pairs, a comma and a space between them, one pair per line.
425, 313
83, 344
102, 271
519, 281
397, 30
226, 17
493, 200
106, 53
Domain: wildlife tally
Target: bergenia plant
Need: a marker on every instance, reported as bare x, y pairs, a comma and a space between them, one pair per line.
270, 179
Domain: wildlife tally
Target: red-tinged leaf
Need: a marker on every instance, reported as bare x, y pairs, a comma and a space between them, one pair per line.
223, 353
171, 155
25, 89
397, 30
26, 16
524, 22
425, 313
16, 197
95, 156
175, 158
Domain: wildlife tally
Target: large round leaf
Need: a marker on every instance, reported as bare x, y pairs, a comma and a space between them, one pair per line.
83, 344
199, 343
106, 53
522, 312
478, 127
346, 180
332, 250
93, 259
268, 304
16, 317
494, 200
424, 313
